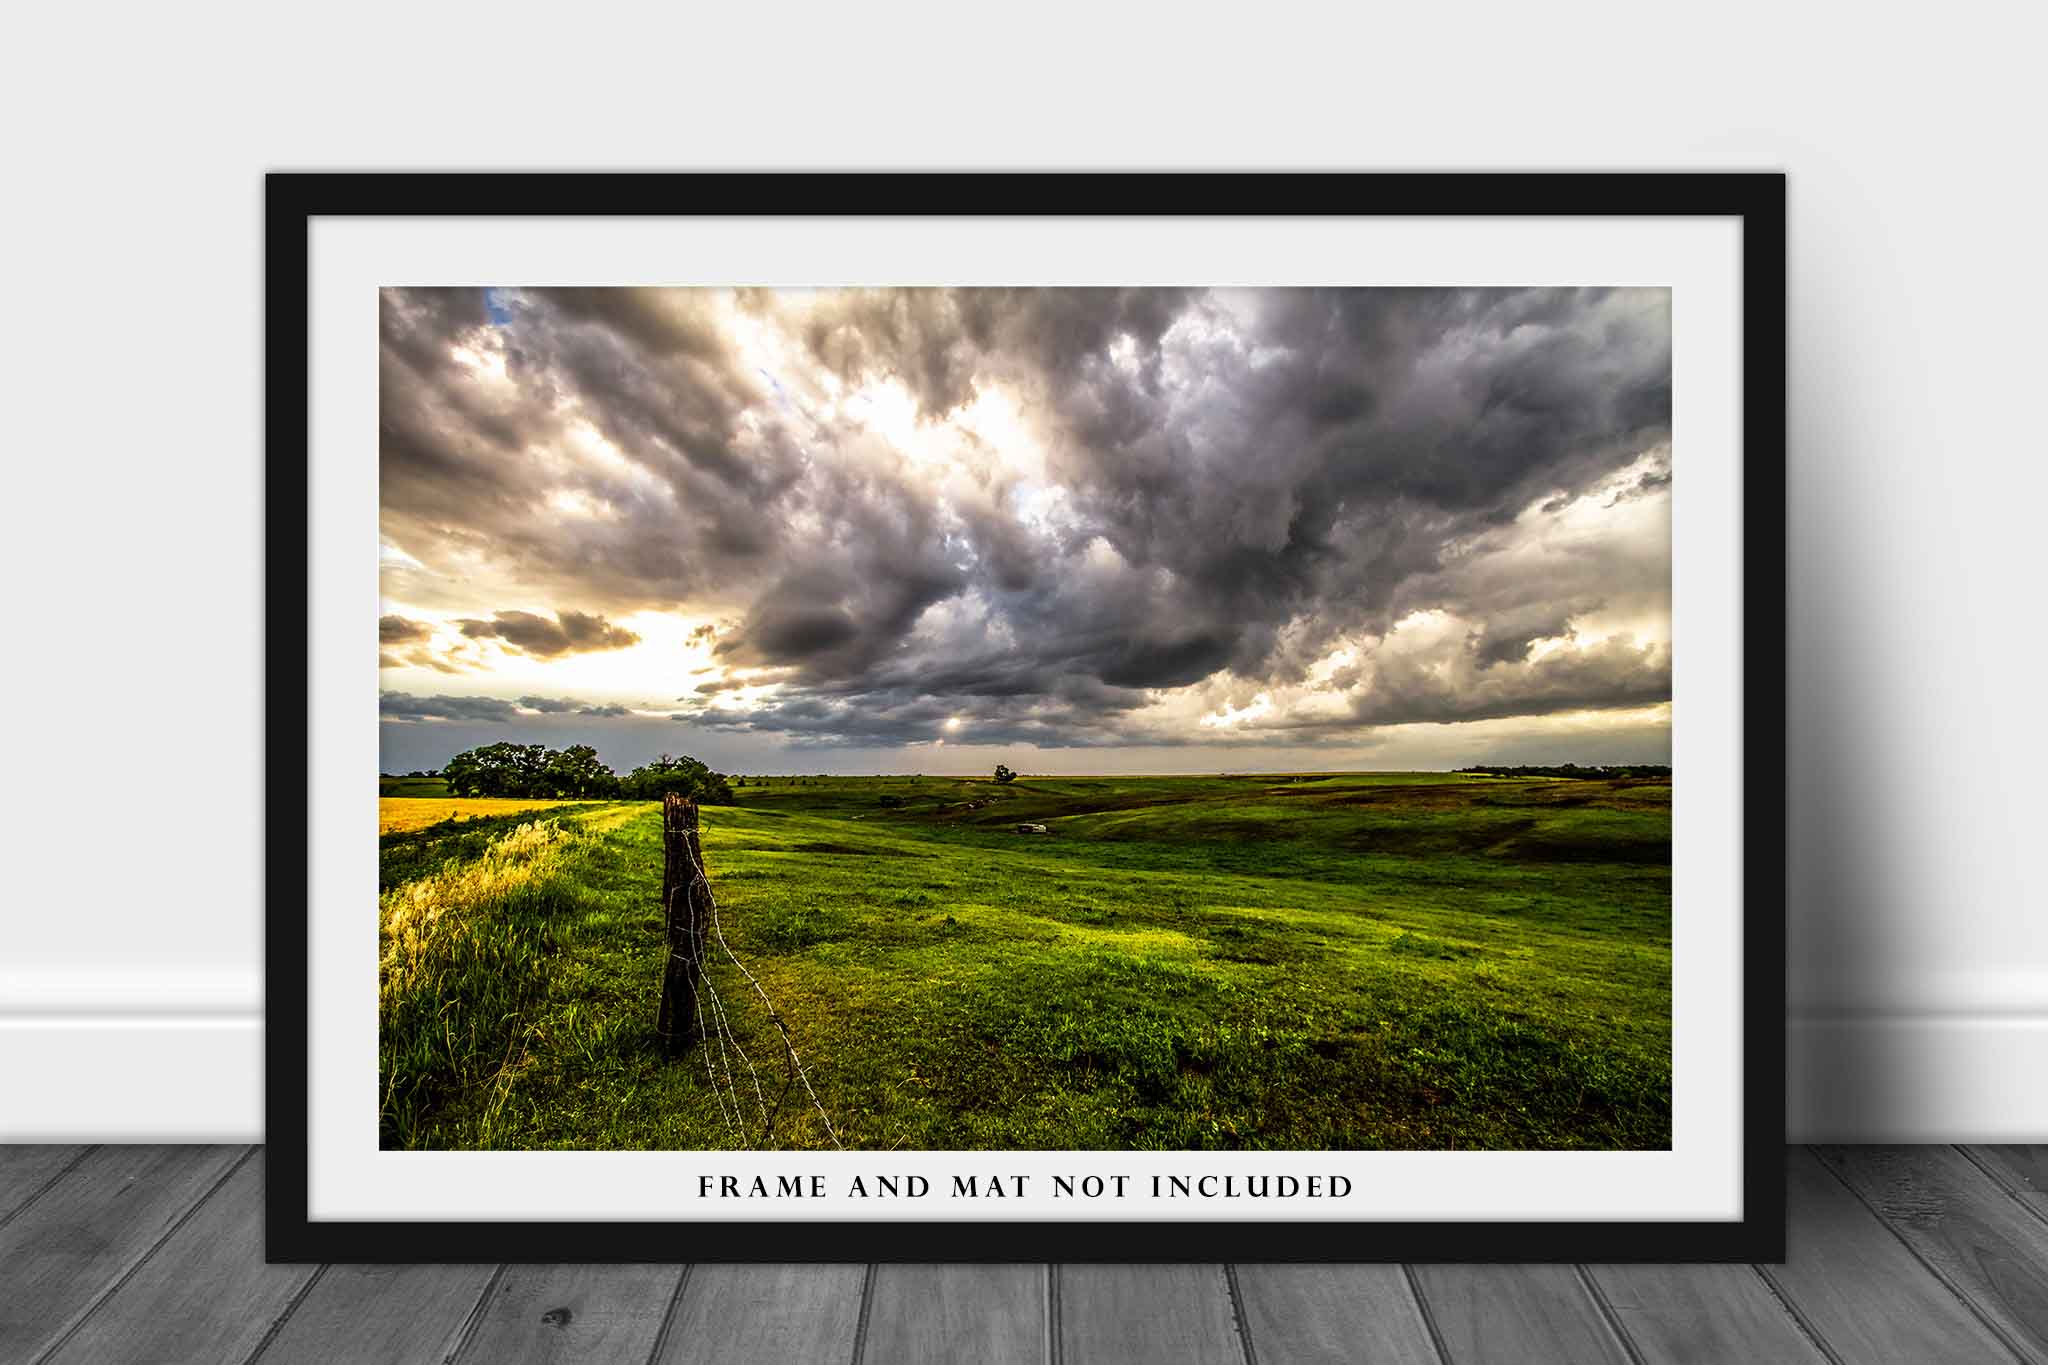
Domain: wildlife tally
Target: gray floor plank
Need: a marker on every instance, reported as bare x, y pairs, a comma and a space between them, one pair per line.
1682, 1314
588, 1314
204, 1297
2022, 1170
154, 1253
25, 1169
381, 1315
1333, 1315
1974, 1234
1525, 1314
1146, 1315
1860, 1289
766, 1315
61, 1253
592, 1314
987, 1314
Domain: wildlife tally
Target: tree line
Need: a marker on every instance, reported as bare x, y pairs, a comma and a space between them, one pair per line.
1597, 770
534, 770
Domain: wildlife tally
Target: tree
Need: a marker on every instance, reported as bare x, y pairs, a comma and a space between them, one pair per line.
499, 770
1003, 774
530, 770
576, 771
685, 776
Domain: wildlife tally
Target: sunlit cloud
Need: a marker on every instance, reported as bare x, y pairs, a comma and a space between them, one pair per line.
1354, 523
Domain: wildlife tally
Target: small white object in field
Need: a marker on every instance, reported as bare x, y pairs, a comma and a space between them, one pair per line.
1032, 829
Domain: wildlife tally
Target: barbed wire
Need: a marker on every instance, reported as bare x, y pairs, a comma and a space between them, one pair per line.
718, 1014
702, 879
712, 1075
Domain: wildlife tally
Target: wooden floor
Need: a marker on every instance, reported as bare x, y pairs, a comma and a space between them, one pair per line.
1910, 1254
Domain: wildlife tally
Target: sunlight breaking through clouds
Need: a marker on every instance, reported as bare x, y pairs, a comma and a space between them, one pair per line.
1175, 527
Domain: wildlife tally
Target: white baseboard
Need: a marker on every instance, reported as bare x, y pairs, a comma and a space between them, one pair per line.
194, 1075
138, 1052
165, 1052
1963, 1077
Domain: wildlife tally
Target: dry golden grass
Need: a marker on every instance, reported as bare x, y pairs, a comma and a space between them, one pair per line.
396, 814
463, 957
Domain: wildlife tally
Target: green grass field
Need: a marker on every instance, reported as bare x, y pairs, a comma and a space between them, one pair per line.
1320, 961
412, 786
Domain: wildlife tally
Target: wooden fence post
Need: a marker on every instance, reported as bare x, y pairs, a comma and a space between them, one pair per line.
682, 906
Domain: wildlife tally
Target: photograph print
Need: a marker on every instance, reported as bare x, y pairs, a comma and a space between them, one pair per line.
1035, 719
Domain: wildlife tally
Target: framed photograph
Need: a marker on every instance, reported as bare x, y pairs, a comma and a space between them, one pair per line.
1037, 717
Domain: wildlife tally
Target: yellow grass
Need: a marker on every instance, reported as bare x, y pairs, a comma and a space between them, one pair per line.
396, 813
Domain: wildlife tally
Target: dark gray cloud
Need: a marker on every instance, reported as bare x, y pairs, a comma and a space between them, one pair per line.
1437, 687
571, 632
403, 706
1228, 486
1614, 673
1509, 635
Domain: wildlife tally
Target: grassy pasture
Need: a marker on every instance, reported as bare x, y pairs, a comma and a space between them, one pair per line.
1300, 961
412, 786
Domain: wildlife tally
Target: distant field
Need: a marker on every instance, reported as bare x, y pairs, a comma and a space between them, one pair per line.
1316, 961
397, 814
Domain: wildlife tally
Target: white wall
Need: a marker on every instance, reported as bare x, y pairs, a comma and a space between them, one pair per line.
130, 983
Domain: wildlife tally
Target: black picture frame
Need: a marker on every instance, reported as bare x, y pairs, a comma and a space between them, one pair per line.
1757, 199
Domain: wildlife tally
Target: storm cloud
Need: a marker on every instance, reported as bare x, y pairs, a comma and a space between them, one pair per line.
404, 706
570, 632
1063, 518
